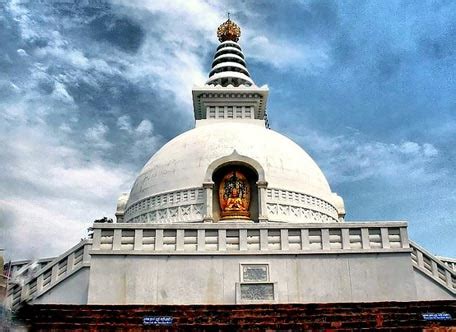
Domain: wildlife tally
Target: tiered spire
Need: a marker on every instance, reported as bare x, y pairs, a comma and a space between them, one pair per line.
229, 67
230, 93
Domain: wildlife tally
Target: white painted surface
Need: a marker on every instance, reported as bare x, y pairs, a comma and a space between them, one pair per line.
212, 279
73, 290
429, 289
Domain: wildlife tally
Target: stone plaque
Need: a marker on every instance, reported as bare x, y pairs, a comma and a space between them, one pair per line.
257, 292
255, 273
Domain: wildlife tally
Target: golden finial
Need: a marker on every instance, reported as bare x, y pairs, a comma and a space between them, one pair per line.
228, 30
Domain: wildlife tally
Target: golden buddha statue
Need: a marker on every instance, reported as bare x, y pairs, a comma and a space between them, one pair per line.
234, 196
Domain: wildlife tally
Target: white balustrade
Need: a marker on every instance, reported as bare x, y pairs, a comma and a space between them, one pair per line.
207, 238
450, 262
48, 275
433, 267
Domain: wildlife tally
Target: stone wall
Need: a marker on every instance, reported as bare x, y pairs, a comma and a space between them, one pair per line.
329, 316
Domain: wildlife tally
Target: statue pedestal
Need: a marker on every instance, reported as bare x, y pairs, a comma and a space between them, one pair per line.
235, 221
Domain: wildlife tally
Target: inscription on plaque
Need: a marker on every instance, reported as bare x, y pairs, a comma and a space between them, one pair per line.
257, 291
254, 273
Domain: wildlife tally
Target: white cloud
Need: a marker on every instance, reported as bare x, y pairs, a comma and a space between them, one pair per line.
22, 52
283, 54
50, 193
144, 128
429, 150
410, 148
66, 128
353, 158
124, 122
61, 94
96, 136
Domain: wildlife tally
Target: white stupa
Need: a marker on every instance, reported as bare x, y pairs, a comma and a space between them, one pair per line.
233, 212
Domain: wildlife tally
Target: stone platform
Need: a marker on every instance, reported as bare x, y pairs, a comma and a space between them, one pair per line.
329, 317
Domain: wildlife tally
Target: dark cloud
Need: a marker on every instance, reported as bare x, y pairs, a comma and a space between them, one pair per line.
119, 31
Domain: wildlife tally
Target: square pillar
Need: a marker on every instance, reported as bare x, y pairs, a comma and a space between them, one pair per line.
262, 209
208, 188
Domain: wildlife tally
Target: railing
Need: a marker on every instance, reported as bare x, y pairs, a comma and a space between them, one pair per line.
249, 238
48, 276
17, 268
433, 267
450, 262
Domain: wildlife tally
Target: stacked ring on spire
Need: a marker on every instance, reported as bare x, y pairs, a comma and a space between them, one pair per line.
229, 67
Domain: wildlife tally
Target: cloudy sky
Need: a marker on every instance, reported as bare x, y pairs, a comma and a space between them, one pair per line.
89, 90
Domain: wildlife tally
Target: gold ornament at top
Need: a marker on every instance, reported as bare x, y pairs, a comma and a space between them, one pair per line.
228, 30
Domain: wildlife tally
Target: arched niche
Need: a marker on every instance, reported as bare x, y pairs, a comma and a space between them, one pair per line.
235, 158
256, 179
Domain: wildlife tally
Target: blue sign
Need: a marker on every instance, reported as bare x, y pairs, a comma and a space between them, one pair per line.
436, 316
158, 320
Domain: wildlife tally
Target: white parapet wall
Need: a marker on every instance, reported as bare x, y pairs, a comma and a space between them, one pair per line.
239, 262
295, 263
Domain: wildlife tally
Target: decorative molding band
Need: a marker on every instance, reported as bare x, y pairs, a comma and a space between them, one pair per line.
179, 205
290, 213
180, 213
295, 206
237, 94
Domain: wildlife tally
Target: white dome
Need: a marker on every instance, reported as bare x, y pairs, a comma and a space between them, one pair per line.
183, 162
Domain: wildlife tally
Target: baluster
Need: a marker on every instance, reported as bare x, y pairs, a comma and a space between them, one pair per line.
365, 238
222, 240
435, 271
25, 292
284, 239
39, 283
159, 239
70, 262
86, 254
404, 237
263, 239
419, 258
325, 239
305, 245
138, 239
242, 239
116, 242
385, 237
54, 273
448, 279
180, 240
345, 238
96, 239
201, 234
